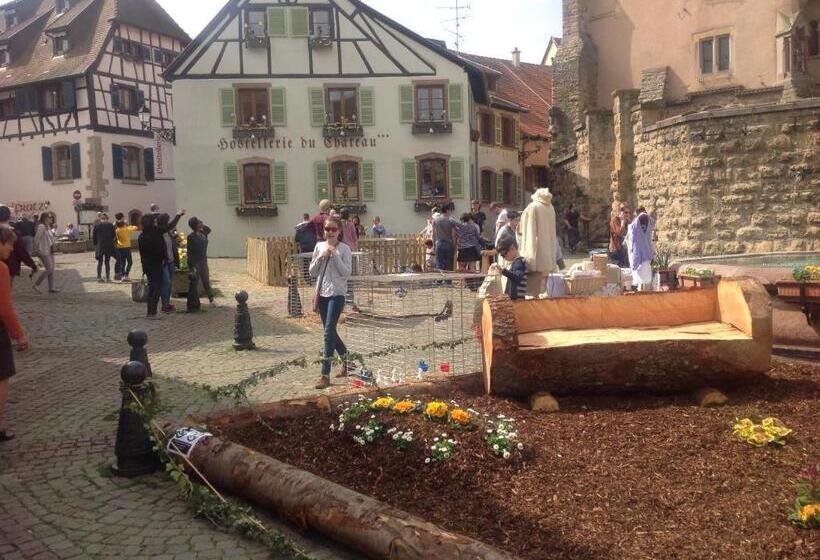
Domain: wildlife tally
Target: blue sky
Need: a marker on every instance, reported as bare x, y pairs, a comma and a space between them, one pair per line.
493, 29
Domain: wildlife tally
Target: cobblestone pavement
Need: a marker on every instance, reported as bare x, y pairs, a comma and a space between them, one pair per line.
56, 498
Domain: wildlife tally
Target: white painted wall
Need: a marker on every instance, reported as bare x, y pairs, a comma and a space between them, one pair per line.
200, 160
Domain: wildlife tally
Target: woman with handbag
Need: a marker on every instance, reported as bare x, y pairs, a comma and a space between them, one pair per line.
44, 249
332, 263
9, 327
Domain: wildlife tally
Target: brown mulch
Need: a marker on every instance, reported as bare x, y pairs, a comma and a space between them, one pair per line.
635, 477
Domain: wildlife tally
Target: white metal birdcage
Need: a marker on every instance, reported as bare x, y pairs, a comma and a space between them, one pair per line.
396, 310
301, 284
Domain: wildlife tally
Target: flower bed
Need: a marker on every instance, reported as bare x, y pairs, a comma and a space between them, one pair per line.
606, 478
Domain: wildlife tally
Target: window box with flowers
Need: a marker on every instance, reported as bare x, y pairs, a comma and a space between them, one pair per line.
433, 180
256, 186
431, 107
253, 112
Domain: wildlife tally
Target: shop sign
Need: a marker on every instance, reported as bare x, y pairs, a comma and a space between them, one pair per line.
291, 144
27, 207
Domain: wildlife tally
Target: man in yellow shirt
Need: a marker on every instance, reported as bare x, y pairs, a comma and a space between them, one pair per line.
122, 248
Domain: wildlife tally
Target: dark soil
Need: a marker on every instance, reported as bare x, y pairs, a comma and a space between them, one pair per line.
618, 478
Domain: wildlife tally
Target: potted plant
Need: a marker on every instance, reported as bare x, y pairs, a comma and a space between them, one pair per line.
660, 264
697, 278
804, 285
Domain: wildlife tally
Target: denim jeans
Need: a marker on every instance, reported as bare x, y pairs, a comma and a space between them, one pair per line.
330, 308
167, 282
124, 261
444, 254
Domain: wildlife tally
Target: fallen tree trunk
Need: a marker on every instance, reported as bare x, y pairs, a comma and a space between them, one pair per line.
367, 525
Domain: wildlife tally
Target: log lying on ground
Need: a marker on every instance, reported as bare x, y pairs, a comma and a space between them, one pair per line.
367, 525
664, 342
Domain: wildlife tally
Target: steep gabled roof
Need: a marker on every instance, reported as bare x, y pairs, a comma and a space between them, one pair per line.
527, 86
554, 41
474, 72
88, 22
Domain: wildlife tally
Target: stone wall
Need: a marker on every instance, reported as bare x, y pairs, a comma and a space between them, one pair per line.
734, 180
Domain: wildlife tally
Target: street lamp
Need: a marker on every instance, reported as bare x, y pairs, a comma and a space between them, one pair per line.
167, 134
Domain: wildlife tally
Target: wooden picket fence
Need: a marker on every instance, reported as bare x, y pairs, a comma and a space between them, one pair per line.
268, 257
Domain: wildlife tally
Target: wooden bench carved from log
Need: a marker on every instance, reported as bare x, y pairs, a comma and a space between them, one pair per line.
663, 342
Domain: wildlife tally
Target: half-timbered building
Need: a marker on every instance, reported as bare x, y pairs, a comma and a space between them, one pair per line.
280, 104
74, 77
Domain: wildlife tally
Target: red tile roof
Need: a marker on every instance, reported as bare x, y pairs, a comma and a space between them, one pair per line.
527, 85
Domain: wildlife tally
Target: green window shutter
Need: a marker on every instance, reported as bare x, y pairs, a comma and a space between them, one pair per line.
279, 183
499, 133
517, 132
368, 181
367, 106
299, 21
406, 105
278, 113
277, 24
410, 179
519, 193
499, 187
455, 108
233, 192
317, 107
473, 187
320, 174
456, 178
227, 107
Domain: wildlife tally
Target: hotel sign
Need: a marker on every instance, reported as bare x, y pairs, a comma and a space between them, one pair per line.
302, 143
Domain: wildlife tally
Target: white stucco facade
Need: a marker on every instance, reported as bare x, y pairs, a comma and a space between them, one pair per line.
378, 60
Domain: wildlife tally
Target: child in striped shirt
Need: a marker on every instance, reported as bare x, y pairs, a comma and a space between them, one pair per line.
515, 272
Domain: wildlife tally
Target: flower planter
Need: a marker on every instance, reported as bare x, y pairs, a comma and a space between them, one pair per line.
668, 278
790, 291
179, 286
689, 281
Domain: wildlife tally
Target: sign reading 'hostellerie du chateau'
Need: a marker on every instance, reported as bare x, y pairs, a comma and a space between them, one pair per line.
294, 144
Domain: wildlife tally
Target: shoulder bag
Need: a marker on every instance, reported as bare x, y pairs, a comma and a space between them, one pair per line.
318, 291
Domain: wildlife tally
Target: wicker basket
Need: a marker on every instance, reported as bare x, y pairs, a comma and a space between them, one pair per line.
585, 286
599, 263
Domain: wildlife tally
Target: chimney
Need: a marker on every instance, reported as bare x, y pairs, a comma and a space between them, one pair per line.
516, 57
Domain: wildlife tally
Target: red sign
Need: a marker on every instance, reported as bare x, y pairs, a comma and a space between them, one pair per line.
77, 195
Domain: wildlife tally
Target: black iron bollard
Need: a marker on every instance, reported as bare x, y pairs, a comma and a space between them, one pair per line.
137, 340
294, 299
192, 303
134, 449
243, 330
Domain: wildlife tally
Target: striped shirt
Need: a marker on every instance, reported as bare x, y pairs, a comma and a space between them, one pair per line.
516, 278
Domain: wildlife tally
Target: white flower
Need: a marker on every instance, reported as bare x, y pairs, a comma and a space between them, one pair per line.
358, 427
501, 416
332, 427
520, 446
443, 435
489, 431
506, 454
495, 447
427, 461
395, 436
435, 439
372, 415
433, 447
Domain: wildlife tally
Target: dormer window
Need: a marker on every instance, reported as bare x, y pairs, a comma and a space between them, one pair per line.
492, 82
60, 45
5, 58
63, 6
11, 18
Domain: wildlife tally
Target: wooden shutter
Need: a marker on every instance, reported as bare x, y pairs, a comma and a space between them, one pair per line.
518, 193
227, 106
278, 111
474, 189
456, 178
367, 106
116, 160
115, 96
48, 164
76, 167
277, 23
499, 131
317, 107
117, 45
140, 100
299, 21
368, 181
148, 160
499, 187
410, 179
517, 132
321, 180
69, 97
279, 183
406, 105
455, 102
233, 192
